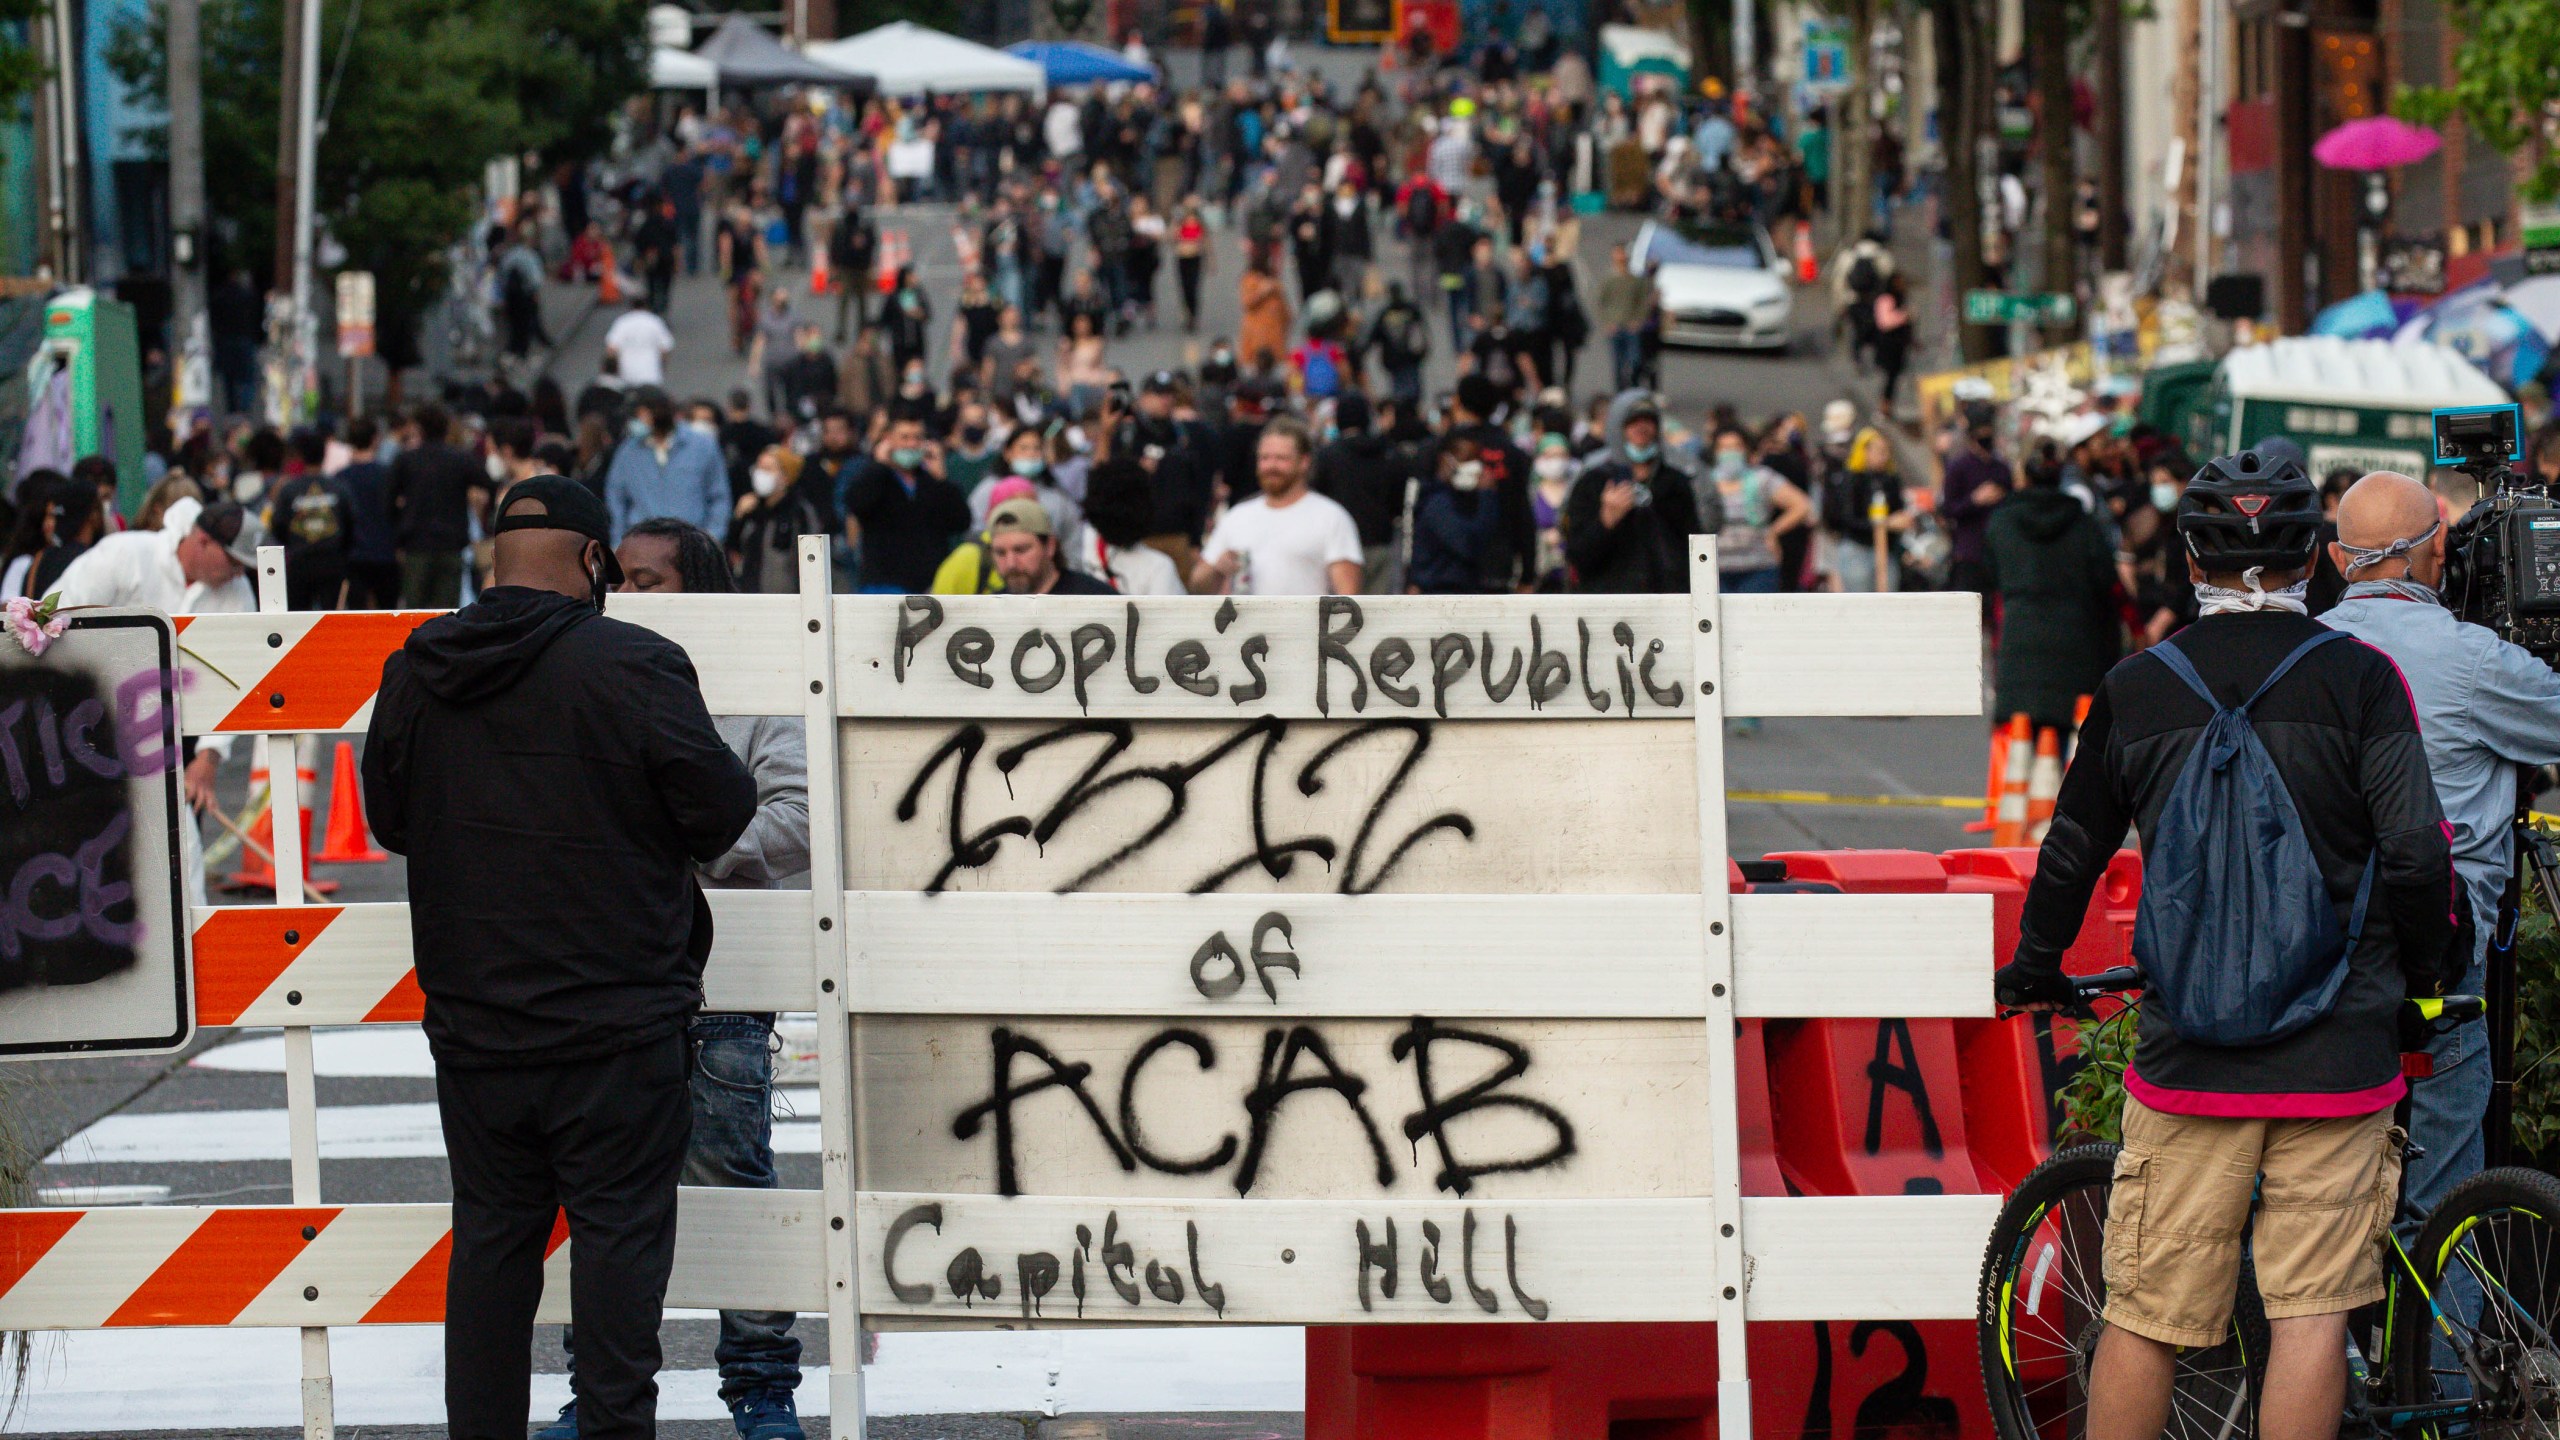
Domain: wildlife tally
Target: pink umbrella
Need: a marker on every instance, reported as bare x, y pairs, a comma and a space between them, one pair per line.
2380, 143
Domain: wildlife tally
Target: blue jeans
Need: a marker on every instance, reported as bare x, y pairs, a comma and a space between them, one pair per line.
1626, 357
733, 1148
1748, 582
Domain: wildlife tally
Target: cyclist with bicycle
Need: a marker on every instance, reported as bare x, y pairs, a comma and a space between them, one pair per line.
2486, 707
2289, 1137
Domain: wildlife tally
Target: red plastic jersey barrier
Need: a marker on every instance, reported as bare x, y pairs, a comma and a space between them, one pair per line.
1828, 1107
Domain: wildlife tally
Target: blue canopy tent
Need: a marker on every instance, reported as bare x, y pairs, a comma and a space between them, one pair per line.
1073, 62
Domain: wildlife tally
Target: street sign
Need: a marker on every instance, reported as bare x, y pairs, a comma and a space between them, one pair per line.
1826, 54
355, 313
93, 941
2000, 307
2540, 226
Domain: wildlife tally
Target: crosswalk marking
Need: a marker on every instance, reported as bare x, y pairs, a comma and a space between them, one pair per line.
347, 1132
127, 1381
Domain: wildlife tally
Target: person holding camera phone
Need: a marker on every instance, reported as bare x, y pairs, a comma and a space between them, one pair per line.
2485, 708
900, 512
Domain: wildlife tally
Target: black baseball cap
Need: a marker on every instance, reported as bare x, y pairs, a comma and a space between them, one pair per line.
566, 505
1162, 382
239, 532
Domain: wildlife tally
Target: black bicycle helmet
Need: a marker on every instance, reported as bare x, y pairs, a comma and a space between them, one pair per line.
2250, 510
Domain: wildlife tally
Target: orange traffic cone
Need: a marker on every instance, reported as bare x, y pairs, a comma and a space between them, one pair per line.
1808, 269
821, 274
2079, 722
255, 873
609, 280
2011, 826
348, 842
2044, 785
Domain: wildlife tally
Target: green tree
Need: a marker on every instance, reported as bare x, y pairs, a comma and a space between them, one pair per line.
428, 93
21, 69
2506, 82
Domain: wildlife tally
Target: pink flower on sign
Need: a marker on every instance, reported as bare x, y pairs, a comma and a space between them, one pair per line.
33, 624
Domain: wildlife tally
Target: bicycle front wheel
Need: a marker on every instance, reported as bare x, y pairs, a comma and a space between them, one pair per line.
2488, 1269
2044, 1289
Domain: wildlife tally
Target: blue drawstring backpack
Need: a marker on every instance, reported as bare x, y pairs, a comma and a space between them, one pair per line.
2236, 932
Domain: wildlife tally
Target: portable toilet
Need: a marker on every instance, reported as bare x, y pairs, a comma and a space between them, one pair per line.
2359, 405
1627, 51
84, 386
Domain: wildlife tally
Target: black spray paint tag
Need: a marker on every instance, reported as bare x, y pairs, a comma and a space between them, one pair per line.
67, 913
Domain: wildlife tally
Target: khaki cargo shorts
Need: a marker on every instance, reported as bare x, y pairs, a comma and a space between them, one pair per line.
2182, 1196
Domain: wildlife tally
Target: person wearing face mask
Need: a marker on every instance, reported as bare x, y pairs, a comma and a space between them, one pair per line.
1506, 470
1347, 239
909, 319
900, 513
763, 538
732, 1075
1633, 509
2047, 558
1761, 507
1551, 484
664, 469
915, 399
1457, 524
559, 979
809, 377
1025, 456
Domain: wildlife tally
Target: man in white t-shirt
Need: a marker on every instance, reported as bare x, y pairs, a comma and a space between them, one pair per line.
1288, 540
639, 342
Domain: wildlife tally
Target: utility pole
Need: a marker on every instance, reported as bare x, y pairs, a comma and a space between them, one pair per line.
2208, 135
48, 158
65, 93
2049, 53
306, 174
2117, 221
1745, 48
288, 150
190, 350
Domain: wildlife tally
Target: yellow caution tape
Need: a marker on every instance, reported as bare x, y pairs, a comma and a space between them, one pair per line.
1815, 797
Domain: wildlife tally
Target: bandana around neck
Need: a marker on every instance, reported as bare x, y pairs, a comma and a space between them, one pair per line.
2215, 600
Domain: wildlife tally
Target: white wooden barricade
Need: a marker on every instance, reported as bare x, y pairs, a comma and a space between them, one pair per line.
1276, 961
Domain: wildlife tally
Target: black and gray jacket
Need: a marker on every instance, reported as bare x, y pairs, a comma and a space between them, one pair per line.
2344, 735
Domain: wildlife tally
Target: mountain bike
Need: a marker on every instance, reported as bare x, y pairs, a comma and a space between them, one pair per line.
2462, 1345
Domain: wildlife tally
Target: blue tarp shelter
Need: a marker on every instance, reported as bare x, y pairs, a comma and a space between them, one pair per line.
1073, 62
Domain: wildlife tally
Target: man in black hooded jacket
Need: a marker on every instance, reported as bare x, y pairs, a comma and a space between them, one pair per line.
553, 777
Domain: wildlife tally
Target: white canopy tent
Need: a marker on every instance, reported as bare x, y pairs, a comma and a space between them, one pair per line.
672, 69
909, 59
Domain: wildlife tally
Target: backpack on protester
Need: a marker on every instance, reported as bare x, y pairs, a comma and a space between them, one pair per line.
1323, 373
2236, 931
1421, 214
1865, 277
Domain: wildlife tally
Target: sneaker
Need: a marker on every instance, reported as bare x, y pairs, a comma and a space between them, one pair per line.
564, 1428
766, 1415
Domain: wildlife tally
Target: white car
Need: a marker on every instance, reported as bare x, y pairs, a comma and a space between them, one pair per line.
1721, 285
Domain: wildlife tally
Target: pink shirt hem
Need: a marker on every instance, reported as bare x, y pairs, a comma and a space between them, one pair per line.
2269, 1106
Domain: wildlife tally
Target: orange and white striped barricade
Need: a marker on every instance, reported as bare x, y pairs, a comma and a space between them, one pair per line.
1051, 844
